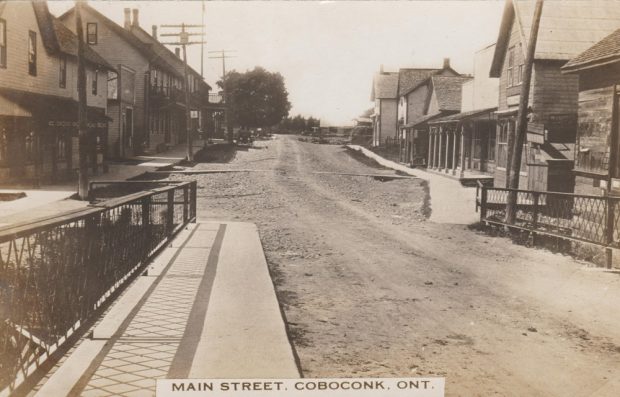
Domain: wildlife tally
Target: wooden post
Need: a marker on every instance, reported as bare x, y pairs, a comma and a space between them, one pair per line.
483, 203
454, 143
429, 157
462, 151
609, 231
439, 151
521, 127
185, 204
188, 120
447, 151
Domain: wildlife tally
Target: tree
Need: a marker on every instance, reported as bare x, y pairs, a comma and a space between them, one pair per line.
256, 98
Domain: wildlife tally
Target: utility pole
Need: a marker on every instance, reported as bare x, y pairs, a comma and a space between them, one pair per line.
82, 122
227, 119
202, 45
521, 127
184, 41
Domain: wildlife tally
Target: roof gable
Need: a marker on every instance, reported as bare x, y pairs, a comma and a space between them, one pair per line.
567, 28
447, 91
408, 79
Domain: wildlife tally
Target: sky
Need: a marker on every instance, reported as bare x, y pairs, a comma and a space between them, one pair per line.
327, 51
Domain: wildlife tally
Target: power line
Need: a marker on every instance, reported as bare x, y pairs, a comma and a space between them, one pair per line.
223, 56
184, 36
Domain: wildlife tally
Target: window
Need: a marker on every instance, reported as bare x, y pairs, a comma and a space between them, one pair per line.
91, 33
29, 147
4, 142
2, 43
61, 148
32, 53
511, 61
94, 82
62, 72
491, 150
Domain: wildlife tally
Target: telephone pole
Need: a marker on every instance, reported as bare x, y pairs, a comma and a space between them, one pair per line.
227, 119
521, 127
82, 122
184, 41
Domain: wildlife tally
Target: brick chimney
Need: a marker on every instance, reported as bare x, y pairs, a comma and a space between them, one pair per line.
135, 21
177, 52
154, 34
446, 63
127, 23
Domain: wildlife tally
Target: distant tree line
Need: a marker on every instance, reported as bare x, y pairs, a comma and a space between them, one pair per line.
298, 124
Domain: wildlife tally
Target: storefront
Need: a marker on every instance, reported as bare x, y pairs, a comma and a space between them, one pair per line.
39, 137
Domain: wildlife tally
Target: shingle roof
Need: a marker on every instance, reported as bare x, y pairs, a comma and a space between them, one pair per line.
56, 37
143, 48
605, 51
385, 86
68, 43
408, 79
163, 51
424, 119
448, 91
567, 27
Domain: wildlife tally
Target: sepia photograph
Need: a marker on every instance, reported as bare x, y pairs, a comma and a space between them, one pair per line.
415, 198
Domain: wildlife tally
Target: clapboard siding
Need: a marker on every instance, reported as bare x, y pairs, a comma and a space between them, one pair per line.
20, 19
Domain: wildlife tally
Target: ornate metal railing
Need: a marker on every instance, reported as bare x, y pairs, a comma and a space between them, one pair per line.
56, 272
588, 219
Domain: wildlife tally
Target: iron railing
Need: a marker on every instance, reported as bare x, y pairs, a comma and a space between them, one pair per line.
589, 219
56, 272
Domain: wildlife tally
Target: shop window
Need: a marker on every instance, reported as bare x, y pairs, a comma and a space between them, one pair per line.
29, 147
3, 146
61, 148
2, 43
62, 72
91, 33
32, 53
491, 151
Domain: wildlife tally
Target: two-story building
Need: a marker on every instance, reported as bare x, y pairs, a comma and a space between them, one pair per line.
566, 29
145, 91
413, 89
472, 131
385, 117
172, 107
441, 96
597, 147
38, 95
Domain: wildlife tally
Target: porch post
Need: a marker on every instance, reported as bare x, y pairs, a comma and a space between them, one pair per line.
447, 151
429, 162
434, 158
454, 145
440, 164
462, 151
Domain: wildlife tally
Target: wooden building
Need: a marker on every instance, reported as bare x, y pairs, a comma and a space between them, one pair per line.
145, 97
548, 152
440, 96
385, 116
467, 147
38, 96
597, 166
412, 101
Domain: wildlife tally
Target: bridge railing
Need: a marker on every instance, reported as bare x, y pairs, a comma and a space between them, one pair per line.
583, 218
55, 273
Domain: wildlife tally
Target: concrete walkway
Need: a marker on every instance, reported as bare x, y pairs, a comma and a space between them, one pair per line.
206, 308
53, 199
451, 202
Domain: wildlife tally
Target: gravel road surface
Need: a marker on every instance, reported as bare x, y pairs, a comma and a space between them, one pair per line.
371, 287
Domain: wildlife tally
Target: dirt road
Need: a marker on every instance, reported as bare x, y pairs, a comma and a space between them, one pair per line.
370, 287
